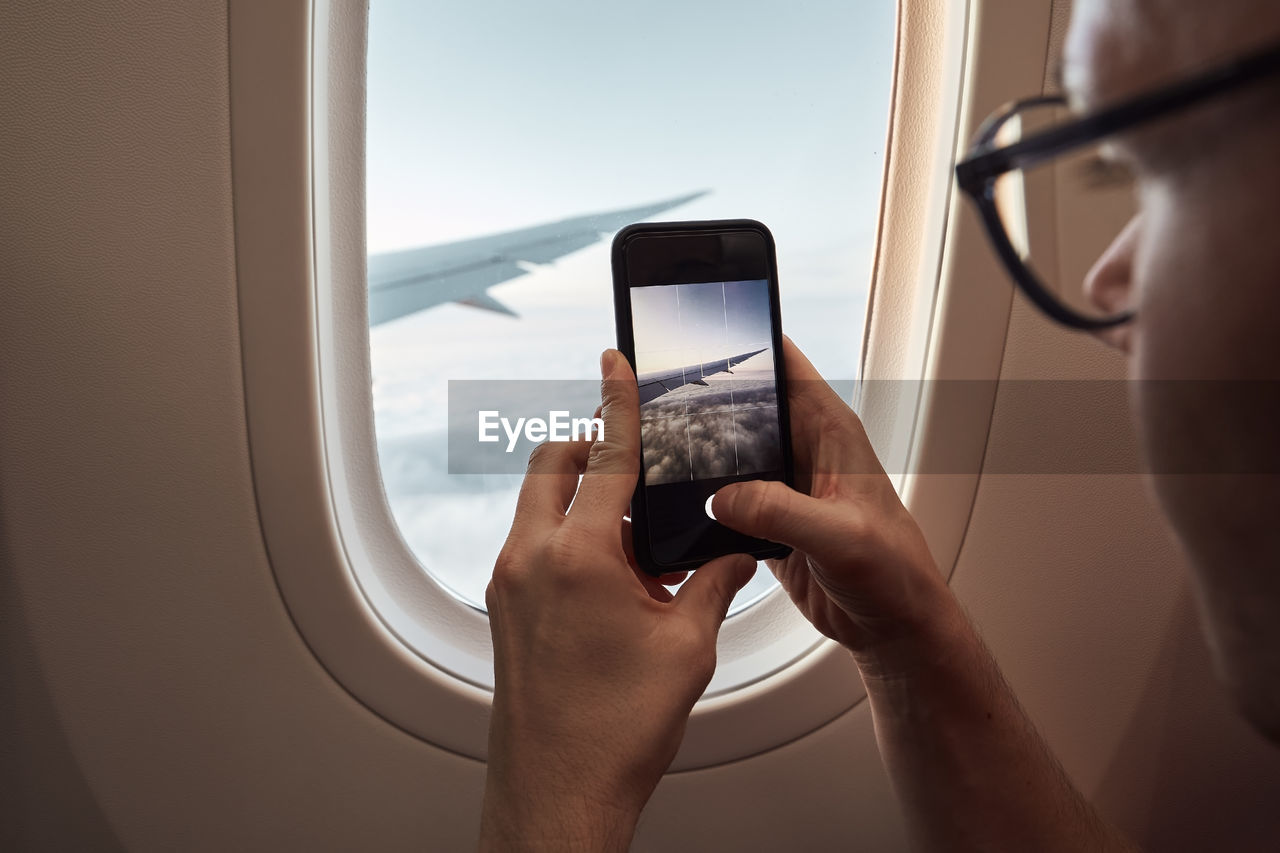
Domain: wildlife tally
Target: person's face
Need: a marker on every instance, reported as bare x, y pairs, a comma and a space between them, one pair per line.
1201, 265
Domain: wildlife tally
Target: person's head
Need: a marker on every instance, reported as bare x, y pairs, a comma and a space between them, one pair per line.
1201, 267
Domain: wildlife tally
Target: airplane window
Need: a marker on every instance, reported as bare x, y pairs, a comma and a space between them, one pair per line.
508, 140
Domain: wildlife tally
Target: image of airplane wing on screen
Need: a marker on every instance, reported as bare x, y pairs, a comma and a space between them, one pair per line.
654, 385
407, 281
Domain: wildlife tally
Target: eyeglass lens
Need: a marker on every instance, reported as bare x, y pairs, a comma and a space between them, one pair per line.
1061, 215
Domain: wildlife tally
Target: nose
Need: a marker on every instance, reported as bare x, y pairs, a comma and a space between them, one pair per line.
1109, 285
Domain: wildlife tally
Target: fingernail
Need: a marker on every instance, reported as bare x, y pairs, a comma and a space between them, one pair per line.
608, 359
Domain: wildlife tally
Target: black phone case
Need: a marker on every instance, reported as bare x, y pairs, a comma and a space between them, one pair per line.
760, 549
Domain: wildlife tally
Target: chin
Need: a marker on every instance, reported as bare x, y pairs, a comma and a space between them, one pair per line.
1255, 697
1225, 524
1244, 639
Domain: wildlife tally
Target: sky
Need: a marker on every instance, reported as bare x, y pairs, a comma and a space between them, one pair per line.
489, 116
678, 325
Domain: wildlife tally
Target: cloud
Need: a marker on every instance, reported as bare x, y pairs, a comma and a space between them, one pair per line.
666, 450
712, 446
758, 447
715, 444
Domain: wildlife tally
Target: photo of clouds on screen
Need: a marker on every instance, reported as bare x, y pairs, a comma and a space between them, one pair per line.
708, 392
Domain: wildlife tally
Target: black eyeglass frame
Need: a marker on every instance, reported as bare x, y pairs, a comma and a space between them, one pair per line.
978, 172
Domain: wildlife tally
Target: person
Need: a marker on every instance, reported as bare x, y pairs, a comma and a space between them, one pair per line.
597, 666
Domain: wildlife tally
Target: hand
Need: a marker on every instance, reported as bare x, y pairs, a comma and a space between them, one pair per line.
861, 571
967, 765
597, 666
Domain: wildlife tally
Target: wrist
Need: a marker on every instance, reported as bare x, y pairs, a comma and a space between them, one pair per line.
925, 644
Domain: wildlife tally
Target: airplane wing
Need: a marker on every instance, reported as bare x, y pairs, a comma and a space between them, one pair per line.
654, 385
406, 281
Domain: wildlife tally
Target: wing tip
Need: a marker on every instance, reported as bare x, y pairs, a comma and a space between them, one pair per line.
486, 302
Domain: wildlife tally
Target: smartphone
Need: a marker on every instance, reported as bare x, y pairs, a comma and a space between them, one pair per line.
697, 313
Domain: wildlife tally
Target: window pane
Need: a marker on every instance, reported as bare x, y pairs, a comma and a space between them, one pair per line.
486, 117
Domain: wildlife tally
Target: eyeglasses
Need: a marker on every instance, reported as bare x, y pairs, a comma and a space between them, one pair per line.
1006, 174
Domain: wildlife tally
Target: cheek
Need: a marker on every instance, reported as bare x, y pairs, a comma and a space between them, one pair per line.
1169, 271
1207, 287
1207, 280
1208, 301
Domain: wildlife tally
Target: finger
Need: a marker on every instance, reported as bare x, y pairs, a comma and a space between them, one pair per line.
629, 543
807, 383
629, 548
614, 461
827, 434
797, 363
772, 510
656, 587
808, 396
707, 594
550, 481
652, 585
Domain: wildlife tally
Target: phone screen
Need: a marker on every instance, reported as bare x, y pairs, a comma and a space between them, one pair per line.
706, 356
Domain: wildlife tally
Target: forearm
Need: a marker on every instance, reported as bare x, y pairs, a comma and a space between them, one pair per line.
530, 820
969, 768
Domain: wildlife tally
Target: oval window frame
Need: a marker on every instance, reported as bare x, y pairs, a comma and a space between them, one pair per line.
396, 641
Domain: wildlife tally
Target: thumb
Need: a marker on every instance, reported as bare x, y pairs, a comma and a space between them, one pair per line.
710, 590
768, 509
